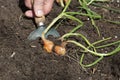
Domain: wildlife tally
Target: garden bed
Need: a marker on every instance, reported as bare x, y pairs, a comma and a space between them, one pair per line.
21, 59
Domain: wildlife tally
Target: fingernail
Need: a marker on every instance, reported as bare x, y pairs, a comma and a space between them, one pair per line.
39, 13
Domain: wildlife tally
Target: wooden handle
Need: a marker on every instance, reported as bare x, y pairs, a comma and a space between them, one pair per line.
38, 19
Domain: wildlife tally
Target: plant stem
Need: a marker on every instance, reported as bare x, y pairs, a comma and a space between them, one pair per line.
91, 64
94, 53
57, 18
52, 23
98, 5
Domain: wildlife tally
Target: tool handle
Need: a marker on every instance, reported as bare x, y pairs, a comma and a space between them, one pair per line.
38, 19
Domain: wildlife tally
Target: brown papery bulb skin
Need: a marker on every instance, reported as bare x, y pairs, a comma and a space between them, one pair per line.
60, 50
48, 45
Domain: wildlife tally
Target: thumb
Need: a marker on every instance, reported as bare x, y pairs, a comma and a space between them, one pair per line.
38, 7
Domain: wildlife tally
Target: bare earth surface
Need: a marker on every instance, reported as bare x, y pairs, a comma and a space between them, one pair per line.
21, 59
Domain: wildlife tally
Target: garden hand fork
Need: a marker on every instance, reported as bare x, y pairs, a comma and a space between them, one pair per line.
41, 27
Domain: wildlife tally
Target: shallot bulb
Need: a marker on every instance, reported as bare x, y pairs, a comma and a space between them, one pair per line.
60, 50
48, 45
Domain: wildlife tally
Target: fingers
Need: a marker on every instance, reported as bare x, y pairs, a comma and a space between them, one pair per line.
28, 4
29, 13
48, 6
38, 7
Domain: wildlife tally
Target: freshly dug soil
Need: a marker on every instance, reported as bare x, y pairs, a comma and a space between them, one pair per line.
21, 59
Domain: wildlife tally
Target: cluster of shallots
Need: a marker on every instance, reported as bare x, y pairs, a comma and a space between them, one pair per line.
49, 46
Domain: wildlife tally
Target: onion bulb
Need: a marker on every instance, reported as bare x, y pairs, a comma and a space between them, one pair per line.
48, 45
60, 50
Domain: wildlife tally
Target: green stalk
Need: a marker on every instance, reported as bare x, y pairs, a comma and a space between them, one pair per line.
84, 5
97, 42
113, 22
52, 23
76, 34
91, 64
62, 3
110, 44
57, 18
97, 5
91, 1
94, 53
95, 16
75, 19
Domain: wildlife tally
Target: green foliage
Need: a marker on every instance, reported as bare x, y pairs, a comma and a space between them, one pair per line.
91, 47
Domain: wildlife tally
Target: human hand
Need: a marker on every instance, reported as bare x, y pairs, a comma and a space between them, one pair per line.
38, 8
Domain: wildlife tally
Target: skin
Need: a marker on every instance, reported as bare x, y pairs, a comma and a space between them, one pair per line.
38, 8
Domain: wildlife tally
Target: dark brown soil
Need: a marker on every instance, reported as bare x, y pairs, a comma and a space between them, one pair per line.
21, 59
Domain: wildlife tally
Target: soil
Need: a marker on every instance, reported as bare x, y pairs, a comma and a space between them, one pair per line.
21, 59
